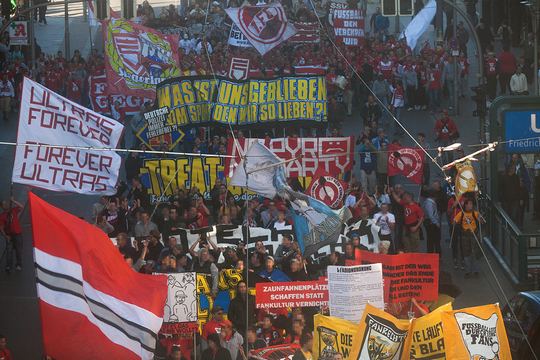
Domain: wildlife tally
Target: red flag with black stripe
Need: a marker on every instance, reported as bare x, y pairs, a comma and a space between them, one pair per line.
406, 161
92, 304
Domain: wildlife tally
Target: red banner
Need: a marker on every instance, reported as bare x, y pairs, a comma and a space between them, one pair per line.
405, 161
277, 352
101, 100
137, 58
333, 155
327, 188
407, 276
348, 24
278, 295
306, 32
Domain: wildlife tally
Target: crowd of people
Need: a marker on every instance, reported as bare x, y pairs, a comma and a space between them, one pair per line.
400, 79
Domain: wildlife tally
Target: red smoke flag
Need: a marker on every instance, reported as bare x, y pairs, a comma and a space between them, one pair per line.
92, 304
405, 161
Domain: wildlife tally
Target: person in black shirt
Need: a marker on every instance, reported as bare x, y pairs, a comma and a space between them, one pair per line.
238, 308
154, 246
139, 194
215, 351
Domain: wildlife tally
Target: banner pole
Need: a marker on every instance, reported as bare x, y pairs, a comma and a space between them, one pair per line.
247, 257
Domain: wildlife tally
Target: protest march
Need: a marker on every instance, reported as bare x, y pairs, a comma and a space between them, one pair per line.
242, 181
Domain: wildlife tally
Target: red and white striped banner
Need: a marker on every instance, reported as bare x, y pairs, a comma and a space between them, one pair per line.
307, 32
92, 304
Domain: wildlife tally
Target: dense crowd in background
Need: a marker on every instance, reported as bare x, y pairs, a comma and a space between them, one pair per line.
401, 80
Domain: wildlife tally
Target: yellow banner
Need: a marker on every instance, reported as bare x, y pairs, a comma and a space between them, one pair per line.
162, 177
332, 336
199, 99
380, 336
475, 333
427, 339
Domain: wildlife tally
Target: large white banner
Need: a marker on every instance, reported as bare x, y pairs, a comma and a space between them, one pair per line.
350, 288
48, 118
265, 26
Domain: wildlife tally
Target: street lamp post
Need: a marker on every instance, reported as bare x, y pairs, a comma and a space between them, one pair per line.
534, 5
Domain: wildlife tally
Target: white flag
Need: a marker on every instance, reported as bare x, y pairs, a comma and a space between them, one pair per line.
419, 24
264, 26
257, 171
50, 119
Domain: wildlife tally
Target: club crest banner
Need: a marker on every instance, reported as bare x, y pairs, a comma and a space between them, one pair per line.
476, 333
264, 26
405, 161
380, 336
427, 337
333, 336
219, 100
137, 58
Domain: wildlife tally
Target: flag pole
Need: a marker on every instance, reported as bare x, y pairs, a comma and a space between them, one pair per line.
247, 256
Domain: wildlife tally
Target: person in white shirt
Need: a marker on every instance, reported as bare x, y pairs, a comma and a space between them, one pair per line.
7, 92
199, 48
281, 222
186, 44
518, 83
386, 221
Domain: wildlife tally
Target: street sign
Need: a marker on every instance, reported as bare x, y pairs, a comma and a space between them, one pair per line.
522, 131
18, 33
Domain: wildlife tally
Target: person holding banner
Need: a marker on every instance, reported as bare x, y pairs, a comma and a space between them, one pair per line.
11, 229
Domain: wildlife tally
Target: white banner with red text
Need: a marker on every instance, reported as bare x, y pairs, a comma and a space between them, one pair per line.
50, 119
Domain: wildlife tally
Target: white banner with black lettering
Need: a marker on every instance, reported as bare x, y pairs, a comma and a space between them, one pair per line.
350, 288
236, 38
50, 119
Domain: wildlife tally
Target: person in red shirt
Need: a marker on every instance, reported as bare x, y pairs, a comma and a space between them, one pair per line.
5, 353
214, 326
445, 129
414, 217
491, 72
507, 68
10, 227
73, 89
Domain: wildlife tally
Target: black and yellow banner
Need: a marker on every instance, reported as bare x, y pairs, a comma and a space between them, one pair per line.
209, 100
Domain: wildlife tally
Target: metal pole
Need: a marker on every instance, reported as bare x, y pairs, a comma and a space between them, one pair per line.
536, 17
456, 68
67, 51
32, 39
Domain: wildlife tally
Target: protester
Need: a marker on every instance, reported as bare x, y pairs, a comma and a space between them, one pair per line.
518, 83
469, 221
306, 346
215, 351
11, 229
5, 353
